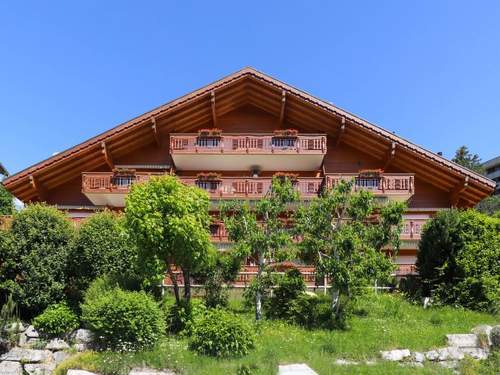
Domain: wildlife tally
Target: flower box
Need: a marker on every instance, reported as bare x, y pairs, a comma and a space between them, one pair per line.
212, 132
209, 176
286, 133
370, 173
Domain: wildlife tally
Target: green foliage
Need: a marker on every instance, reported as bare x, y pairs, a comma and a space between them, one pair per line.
9, 314
468, 160
169, 222
260, 232
344, 244
459, 259
490, 206
311, 311
263, 285
179, 316
6, 201
288, 288
35, 271
123, 320
101, 247
221, 334
56, 320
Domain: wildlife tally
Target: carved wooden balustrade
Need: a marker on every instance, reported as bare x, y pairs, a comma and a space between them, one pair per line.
384, 184
247, 144
109, 182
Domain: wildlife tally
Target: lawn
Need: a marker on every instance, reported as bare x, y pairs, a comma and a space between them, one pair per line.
385, 322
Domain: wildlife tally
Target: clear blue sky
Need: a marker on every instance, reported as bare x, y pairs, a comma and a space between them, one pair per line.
428, 70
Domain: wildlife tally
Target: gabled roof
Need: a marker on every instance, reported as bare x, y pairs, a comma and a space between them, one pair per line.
249, 86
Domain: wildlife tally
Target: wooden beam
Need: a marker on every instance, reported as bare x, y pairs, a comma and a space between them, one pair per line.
212, 104
341, 132
459, 189
390, 155
156, 135
283, 105
38, 187
107, 155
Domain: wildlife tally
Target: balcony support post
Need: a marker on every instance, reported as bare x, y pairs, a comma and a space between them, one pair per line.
39, 188
107, 155
459, 189
283, 105
341, 132
390, 155
156, 135
212, 105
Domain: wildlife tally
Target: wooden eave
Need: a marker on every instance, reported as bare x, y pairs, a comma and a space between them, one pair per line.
248, 86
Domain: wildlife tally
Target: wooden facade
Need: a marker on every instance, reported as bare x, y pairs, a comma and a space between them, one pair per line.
232, 136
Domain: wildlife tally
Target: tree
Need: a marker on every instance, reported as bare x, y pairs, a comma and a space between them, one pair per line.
341, 236
102, 246
37, 254
459, 259
259, 231
468, 160
490, 206
6, 201
169, 223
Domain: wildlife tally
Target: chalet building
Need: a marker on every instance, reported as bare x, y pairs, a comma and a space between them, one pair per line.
232, 136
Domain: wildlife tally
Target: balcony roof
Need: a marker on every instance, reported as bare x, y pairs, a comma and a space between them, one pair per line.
249, 86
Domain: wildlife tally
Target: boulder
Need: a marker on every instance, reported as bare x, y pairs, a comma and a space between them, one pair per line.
432, 355
345, 362
295, 369
26, 355
39, 368
418, 357
60, 356
495, 337
148, 371
57, 344
476, 353
80, 372
395, 355
31, 333
483, 331
11, 368
82, 336
449, 364
450, 353
17, 327
466, 340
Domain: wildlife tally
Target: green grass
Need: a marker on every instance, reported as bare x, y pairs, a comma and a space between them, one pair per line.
386, 322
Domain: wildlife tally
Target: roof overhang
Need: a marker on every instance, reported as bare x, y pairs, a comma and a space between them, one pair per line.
251, 87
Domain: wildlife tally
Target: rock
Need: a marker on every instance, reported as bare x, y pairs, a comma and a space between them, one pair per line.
11, 368
483, 332
60, 356
17, 327
495, 337
295, 369
345, 362
27, 355
82, 336
148, 371
395, 355
432, 355
57, 344
466, 340
80, 372
449, 364
450, 353
22, 339
476, 353
412, 364
418, 357
81, 347
39, 368
31, 333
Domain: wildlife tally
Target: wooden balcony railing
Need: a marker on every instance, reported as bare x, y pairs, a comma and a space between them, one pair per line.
406, 269
244, 187
412, 229
109, 182
385, 184
247, 144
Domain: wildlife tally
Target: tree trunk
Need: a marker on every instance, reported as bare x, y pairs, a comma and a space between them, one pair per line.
186, 274
174, 283
258, 294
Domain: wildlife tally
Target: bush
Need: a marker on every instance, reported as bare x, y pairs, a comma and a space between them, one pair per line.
35, 271
123, 320
56, 320
179, 318
219, 333
312, 311
6, 201
459, 259
101, 247
288, 288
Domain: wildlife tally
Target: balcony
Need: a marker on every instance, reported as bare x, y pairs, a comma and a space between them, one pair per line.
108, 188
266, 152
397, 186
252, 187
412, 229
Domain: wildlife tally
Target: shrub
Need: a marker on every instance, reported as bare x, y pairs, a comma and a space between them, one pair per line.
219, 333
179, 317
101, 247
6, 201
35, 272
312, 311
288, 288
123, 320
56, 320
459, 259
